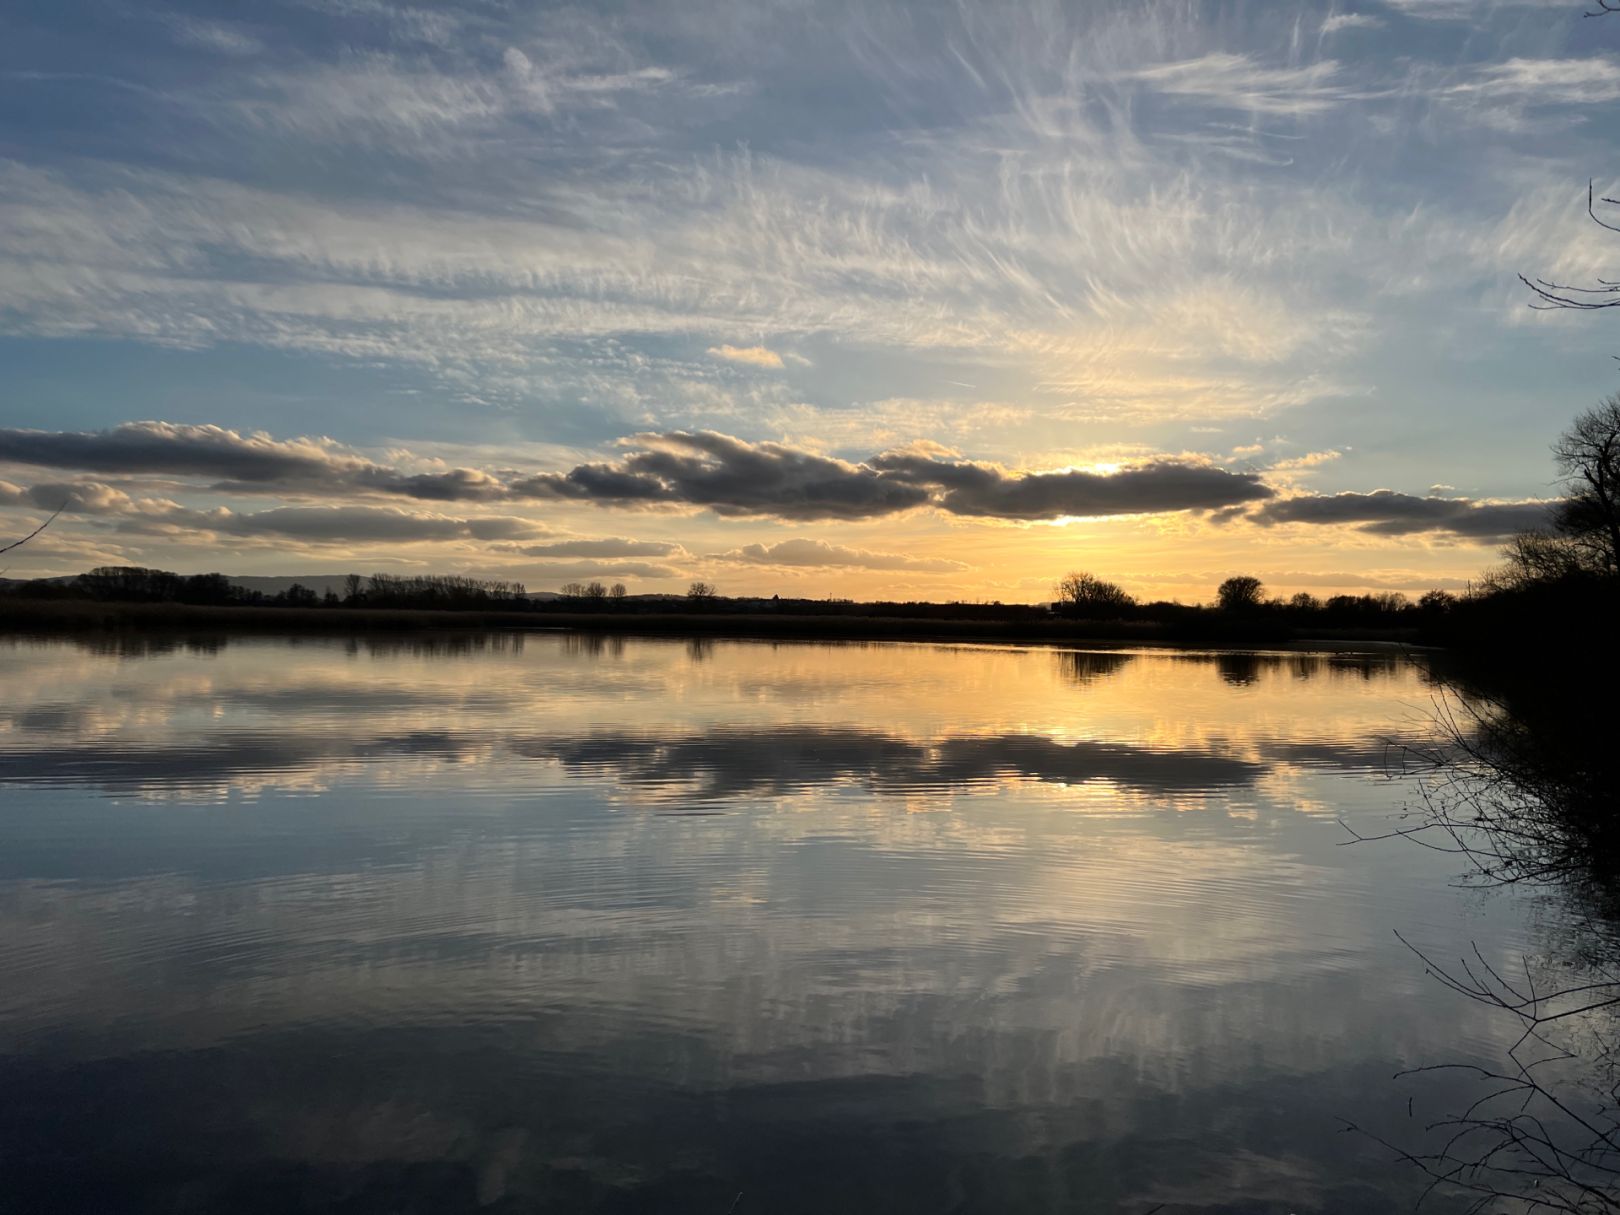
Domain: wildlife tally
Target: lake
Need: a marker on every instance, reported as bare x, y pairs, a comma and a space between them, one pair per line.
521, 922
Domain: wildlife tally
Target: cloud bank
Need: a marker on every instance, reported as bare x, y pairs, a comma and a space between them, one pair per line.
1384, 512
687, 471
736, 478
236, 462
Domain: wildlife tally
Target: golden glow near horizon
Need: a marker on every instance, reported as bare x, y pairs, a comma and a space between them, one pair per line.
921, 554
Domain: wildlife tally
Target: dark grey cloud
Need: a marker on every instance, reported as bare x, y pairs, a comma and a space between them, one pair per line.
457, 485
370, 523
734, 477
731, 477
333, 524
1384, 512
968, 488
168, 448
237, 463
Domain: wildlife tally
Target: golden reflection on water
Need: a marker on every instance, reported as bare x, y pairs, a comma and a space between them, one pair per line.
554, 897
255, 716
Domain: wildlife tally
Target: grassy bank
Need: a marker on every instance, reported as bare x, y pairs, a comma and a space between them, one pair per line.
59, 616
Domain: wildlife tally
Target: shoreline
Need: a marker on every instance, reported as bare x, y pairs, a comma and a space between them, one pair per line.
20, 617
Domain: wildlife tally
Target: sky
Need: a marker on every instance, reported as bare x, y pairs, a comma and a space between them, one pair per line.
798, 297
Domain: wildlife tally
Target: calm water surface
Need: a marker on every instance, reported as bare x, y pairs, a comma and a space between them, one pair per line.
521, 923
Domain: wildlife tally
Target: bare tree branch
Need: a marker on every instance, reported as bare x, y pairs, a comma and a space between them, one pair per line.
1563, 295
19, 543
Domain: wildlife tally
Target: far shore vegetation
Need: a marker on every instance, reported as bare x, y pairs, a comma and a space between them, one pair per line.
1085, 608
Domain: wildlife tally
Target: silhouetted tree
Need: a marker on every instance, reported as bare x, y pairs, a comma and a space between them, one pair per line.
1581, 543
1588, 458
1240, 593
1436, 601
1304, 601
617, 591
701, 593
1532, 559
595, 592
1082, 594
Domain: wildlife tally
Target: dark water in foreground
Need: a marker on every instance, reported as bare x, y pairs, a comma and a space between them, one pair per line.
543, 923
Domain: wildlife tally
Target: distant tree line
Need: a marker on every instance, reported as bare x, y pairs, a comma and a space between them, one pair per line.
1241, 609
136, 584
1085, 596
442, 591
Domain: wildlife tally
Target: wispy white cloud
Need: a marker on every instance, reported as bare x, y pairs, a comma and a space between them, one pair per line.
1587, 81
1090, 318
1351, 21
1240, 82
219, 37
754, 356
1465, 10
438, 27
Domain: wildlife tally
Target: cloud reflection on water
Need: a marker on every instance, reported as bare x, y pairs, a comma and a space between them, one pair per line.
425, 949
201, 726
